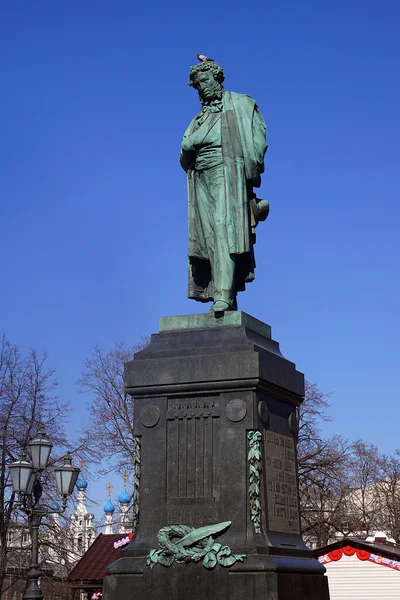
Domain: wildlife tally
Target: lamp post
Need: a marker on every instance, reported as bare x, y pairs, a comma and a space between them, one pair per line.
26, 483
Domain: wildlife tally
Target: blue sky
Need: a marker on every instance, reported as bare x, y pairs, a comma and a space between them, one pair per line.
93, 222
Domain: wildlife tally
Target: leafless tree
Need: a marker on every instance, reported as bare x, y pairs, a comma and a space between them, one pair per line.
322, 469
110, 429
27, 401
388, 489
363, 500
346, 488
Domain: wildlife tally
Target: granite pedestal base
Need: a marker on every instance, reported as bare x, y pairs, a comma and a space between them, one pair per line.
203, 388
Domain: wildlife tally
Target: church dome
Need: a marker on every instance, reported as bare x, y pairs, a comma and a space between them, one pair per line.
109, 507
81, 484
124, 497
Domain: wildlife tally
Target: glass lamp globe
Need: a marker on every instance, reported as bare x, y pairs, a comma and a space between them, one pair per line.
21, 474
40, 448
66, 476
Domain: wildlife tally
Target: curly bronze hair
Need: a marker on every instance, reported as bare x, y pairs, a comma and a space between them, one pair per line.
209, 65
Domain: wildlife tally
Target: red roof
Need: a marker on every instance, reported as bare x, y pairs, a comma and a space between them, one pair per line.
93, 564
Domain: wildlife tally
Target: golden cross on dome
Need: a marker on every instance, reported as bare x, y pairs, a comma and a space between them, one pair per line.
109, 487
125, 478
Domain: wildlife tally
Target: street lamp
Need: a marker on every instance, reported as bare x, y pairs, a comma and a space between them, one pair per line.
26, 483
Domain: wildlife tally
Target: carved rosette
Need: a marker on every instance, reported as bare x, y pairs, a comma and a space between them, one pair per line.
254, 458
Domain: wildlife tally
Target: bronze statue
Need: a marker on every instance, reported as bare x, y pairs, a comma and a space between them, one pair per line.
223, 154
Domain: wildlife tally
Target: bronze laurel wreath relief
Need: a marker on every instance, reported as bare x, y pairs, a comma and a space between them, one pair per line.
183, 544
254, 457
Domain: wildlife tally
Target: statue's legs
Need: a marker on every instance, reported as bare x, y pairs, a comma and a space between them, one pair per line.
213, 228
222, 263
223, 270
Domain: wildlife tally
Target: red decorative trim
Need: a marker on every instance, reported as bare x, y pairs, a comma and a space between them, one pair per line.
363, 554
349, 550
335, 554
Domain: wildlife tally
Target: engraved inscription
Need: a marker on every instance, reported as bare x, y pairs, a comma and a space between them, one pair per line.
193, 408
192, 516
282, 499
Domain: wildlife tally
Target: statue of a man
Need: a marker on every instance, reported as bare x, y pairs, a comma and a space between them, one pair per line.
223, 154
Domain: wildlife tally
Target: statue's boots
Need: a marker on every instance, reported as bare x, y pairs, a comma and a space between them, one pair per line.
228, 302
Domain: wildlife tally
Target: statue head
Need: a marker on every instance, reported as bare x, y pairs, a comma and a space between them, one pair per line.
207, 78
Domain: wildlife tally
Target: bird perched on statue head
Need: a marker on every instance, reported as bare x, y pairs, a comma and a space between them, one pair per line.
203, 58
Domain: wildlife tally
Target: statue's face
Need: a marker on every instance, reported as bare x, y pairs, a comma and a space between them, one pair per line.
206, 85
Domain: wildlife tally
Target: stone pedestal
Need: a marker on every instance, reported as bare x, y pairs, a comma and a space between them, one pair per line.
203, 388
